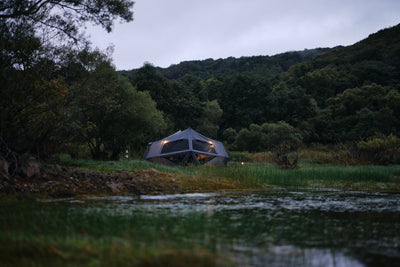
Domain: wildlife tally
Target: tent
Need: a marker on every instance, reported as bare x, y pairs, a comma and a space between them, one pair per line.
185, 147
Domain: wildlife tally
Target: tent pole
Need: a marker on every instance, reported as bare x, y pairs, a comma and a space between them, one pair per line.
185, 159
197, 162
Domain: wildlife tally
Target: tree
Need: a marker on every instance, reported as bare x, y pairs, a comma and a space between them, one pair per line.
249, 139
113, 115
229, 135
148, 79
65, 16
363, 112
36, 98
279, 133
244, 100
209, 120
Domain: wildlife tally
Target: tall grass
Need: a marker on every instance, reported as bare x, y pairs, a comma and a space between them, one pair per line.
60, 234
121, 165
259, 175
358, 177
97, 234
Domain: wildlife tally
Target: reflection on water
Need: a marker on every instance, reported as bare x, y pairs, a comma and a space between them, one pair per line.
275, 228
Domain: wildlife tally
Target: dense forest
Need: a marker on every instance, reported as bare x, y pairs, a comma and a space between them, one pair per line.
59, 95
324, 96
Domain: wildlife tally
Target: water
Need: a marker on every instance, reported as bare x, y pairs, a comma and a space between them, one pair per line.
274, 228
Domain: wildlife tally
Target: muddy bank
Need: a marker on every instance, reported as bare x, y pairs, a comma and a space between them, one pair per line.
56, 181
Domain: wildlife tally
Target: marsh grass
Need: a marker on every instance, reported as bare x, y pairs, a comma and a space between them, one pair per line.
261, 175
58, 234
103, 234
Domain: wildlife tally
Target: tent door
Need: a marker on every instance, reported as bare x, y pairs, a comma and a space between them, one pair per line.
190, 157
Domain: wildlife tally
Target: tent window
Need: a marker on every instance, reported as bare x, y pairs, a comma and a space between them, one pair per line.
204, 158
176, 158
203, 146
178, 145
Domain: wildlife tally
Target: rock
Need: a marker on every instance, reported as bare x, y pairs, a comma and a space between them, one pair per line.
58, 168
4, 169
29, 166
116, 187
153, 170
124, 175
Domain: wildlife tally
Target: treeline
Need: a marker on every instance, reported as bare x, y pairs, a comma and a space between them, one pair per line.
325, 96
268, 66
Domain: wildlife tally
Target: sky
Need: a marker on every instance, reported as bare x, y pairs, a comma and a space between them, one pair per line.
167, 32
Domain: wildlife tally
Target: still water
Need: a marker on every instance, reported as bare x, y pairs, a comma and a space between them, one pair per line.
274, 228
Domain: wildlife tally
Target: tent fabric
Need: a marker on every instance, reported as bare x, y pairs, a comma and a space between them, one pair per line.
185, 147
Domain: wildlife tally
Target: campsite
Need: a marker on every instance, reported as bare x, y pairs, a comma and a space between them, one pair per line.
287, 158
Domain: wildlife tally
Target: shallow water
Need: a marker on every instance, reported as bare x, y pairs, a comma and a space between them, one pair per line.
274, 228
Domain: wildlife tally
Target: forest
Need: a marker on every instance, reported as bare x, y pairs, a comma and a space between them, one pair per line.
60, 95
324, 96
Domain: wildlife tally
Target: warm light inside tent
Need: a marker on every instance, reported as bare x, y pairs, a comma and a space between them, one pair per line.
164, 142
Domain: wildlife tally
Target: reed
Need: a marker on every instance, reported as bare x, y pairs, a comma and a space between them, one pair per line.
105, 234
56, 234
355, 177
261, 175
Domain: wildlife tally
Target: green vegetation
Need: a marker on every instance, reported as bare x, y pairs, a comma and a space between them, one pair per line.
51, 234
219, 231
253, 175
342, 95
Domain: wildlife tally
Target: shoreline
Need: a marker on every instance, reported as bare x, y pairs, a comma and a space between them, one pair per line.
61, 182
73, 179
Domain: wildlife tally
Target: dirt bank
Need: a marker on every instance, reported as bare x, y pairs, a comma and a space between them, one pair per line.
58, 182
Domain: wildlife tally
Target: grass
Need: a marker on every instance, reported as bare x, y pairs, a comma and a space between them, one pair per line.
260, 175
321, 176
97, 234
55, 235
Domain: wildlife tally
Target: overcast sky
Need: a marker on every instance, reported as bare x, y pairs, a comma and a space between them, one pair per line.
166, 32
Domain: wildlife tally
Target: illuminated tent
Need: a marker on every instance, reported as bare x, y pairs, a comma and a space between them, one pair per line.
185, 147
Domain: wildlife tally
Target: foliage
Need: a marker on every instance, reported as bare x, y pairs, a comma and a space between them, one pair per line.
257, 172
115, 116
268, 66
209, 123
364, 112
49, 74
330, 96
380, 150
267, 136
64, 16
283, 159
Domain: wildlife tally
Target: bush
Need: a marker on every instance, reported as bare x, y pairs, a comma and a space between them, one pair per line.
267, 136
251, 157
380, 150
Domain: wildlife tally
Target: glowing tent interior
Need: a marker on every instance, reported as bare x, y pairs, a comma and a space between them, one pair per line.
185, 147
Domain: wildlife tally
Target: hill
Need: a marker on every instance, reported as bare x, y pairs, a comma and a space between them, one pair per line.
262, 65
325, 95
375, 59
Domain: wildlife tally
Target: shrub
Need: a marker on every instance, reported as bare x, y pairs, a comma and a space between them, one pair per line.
380, 150
286, 156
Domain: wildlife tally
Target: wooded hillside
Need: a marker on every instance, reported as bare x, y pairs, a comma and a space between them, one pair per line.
323, 95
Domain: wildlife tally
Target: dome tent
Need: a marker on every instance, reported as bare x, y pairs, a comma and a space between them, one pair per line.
184, 147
